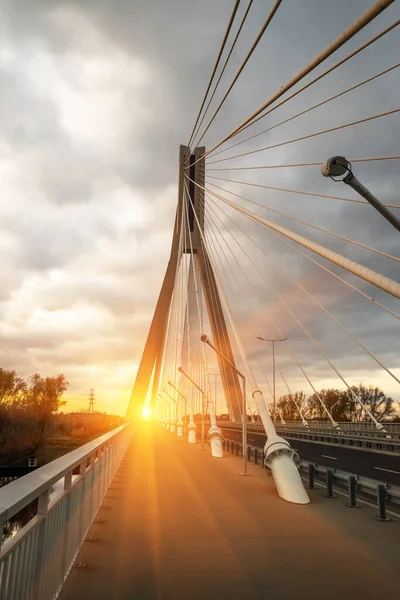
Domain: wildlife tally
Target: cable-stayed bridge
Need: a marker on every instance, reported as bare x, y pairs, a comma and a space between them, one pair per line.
282, 284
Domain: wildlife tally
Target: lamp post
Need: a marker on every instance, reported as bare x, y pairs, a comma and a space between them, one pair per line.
273, 368
205, 340
337, 166
180, 422
202, 403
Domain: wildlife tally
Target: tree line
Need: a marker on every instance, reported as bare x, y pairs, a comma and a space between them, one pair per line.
342, 404
25, 409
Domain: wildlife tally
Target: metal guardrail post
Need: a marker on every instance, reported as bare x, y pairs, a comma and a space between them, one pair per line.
381, 497
40, 547
329, 484
311, 473
352, 492
67, 521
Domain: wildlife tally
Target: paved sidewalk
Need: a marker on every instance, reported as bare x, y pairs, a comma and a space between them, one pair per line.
184, 526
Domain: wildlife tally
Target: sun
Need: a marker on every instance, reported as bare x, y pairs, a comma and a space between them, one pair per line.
146, 413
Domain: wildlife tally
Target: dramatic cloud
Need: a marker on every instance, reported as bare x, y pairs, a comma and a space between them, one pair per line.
96, 97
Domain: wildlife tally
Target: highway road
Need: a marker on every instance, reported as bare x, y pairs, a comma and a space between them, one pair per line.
367, 463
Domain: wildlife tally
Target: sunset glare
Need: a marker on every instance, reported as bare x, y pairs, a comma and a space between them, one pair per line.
146, 413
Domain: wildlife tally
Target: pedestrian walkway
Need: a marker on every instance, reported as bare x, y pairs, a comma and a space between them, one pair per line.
180, 525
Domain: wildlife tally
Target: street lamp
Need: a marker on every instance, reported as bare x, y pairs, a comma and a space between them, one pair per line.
273, 368
202, 403
205, 340
337, 166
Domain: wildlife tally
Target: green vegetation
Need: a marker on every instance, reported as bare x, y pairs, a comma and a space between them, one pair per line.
31, 425
341, 403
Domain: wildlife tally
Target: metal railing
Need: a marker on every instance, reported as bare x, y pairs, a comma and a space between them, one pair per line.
382, 495
65, 496
364, 426
346, 427
374, 441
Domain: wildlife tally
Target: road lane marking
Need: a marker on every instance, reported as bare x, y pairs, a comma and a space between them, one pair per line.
326, 456
387, 470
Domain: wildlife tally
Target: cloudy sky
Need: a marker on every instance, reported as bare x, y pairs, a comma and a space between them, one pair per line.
96, 97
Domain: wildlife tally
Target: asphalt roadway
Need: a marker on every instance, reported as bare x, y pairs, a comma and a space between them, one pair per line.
181, 525
383, 467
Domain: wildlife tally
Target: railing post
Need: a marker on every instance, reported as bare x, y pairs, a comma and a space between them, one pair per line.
329, 484
41, 544
82, 473
66, 526
108, 465
2, 523
381, 497
352, 492
89, 489
311, 474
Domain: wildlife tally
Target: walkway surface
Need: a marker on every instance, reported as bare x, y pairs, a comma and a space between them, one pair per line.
181, 525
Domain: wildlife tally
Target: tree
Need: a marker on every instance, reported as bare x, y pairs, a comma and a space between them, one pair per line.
25, 408
287, 405
43, 398
336, 402
380, 405
43, 395
12, 388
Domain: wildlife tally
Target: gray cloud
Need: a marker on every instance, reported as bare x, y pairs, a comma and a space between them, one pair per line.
96, 98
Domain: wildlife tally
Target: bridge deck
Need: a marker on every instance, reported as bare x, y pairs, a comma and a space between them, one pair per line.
181, 525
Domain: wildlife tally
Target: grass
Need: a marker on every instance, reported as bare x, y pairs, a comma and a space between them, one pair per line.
58, 445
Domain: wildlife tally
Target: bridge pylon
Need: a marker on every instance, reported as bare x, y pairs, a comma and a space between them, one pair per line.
191, 199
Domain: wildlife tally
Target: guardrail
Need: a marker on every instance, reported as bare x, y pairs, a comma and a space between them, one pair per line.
383, 495
65, 496
380, 442
348, 428
366, 427
369, 489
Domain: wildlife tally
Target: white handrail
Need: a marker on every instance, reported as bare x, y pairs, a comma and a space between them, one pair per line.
35, 562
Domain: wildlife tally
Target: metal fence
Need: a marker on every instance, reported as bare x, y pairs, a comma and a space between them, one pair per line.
344, 426
67, 494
